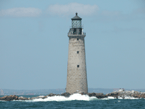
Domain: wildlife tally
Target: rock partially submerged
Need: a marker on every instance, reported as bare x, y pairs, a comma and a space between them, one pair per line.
66, 94
113, 94
120, 93
97, 95
23, 98
124, 94
12, 97
38, 97
51, 94
116, 95
9, 98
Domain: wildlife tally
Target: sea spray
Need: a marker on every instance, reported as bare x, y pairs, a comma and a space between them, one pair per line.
77, 96
73, 97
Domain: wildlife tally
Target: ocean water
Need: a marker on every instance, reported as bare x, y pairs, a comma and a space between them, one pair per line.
75, 101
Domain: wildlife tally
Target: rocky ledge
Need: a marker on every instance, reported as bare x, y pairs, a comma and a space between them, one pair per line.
12, 97
121, 94
116, 94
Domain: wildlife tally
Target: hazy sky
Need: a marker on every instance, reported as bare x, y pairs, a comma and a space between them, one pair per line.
34, 42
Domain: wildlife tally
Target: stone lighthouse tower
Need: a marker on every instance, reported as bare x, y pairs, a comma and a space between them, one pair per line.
76, 68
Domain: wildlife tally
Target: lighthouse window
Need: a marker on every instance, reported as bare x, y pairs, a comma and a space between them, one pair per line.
75, 30
78, 66
77, 38
77, 52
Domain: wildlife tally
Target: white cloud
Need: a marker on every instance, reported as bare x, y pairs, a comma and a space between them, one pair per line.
21, 12
118, 15
72, 8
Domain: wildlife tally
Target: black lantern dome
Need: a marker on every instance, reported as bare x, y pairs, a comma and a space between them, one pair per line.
76, 17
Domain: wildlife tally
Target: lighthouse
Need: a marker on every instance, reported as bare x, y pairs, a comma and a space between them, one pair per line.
76, 67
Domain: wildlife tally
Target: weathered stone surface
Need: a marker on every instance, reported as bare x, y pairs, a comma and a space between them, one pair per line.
44, 97
122, 94
76, 67
38, 97
113, 94
9, 98
142, 96
91, 94
22, 98
138, 95
98, 95
83, 93
66, 94
51, 94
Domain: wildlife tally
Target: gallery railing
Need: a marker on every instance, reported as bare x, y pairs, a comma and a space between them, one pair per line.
75, 34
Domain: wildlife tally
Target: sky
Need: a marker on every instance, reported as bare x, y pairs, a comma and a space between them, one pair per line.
34, 43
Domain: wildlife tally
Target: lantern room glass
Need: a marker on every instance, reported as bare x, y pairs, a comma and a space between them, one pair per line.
76, 23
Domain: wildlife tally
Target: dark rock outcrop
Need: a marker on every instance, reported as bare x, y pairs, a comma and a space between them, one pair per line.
66, 94
116, 94
9, 98
98, 95
23, 98
113, 94
92, 94
142, 96
38, 97
83, 93
51, 94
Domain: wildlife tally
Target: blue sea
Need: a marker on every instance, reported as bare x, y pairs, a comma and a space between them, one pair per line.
74, 102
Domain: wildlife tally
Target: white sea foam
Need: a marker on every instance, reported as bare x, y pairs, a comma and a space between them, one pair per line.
75, 96
62, 98
129, 97
108, 98
2, 101
125, 97
41, 96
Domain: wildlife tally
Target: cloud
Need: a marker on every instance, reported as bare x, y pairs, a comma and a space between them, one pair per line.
118, 15
69, 9
106, 15
21, 12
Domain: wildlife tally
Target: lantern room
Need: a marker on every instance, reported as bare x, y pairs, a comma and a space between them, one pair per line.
76, 21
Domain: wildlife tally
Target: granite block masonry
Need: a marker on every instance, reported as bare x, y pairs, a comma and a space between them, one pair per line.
76, 68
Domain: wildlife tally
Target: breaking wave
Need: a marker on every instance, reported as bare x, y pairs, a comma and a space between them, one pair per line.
75, 96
